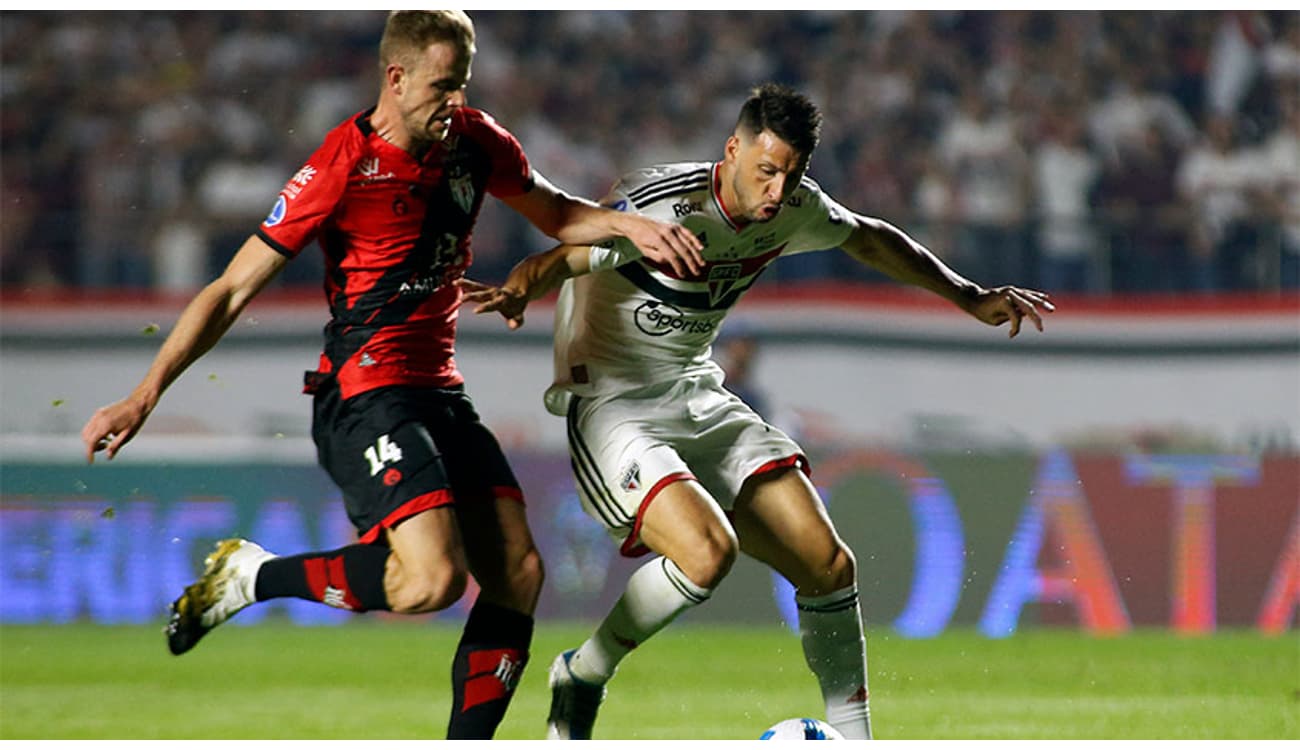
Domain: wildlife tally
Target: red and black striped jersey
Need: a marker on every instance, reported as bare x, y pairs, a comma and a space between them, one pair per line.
395, 232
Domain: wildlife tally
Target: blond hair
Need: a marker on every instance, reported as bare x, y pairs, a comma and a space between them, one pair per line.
410, 32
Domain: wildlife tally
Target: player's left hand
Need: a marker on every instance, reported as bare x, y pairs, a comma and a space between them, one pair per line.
490, 298
998, 305
668, 243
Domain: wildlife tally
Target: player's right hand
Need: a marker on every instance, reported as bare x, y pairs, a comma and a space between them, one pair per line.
111, 427
667, 243
490, 298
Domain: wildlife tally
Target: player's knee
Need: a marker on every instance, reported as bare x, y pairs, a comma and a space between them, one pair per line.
842, 570
708, 562
527, 575
431, 591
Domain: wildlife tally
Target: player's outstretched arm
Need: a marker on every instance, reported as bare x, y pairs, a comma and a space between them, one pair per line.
577, 221
531, 278
888, 249
201, 325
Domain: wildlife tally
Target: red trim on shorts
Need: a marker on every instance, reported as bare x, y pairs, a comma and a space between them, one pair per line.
428, 501
631, 547
510, 493
797, 459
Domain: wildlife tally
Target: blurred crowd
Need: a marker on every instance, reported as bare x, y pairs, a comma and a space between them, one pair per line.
1099, 152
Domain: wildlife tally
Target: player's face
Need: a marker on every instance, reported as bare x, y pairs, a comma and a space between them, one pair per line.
432, 89
767, 170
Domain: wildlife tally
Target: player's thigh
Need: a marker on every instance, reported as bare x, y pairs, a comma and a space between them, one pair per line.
631, 478
427, 550
781, 521
686, 525
501, 553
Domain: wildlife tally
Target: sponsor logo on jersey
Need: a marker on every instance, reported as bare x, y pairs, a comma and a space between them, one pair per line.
630, 478
278, 211
618, 205
368, 167
656, 318
765, 241
462, 191
686, 208
722, 279
298, 182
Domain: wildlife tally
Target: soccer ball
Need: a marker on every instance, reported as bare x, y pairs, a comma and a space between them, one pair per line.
801, 729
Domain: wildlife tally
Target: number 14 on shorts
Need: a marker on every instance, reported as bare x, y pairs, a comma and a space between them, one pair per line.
383, 453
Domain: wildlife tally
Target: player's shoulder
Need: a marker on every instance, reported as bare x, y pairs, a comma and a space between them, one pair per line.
650, 184
478, 124
346, 142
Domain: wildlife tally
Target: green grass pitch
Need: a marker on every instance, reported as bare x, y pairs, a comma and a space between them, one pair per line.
387, 679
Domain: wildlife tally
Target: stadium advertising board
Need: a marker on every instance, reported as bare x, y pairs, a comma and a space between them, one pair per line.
1103, 542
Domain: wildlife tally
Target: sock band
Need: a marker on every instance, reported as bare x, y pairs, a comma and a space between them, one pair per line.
685, 586
835, 601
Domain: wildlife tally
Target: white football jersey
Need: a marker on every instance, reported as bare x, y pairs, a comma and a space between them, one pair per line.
633, 322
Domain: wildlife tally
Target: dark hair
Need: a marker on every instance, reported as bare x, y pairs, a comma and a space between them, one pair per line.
790, 116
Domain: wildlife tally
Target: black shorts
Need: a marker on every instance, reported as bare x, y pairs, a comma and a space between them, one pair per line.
398, 451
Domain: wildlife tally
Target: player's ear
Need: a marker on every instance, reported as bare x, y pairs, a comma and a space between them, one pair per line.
395, 78
732, 148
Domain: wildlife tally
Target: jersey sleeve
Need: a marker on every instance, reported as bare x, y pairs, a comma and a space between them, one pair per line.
619, 250
310, 196
511, 172
825, 222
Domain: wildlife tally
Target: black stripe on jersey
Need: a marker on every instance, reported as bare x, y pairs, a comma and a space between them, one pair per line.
675, 579
587, 473
636, 273
673, 181
848, 601
657, 196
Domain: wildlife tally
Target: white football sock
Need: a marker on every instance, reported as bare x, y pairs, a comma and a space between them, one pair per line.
656, 593
836, 651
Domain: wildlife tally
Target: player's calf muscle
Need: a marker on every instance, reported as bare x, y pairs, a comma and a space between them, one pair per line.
429, 591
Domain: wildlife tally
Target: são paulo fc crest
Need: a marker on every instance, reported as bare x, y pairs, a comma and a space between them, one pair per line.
462, 191
630, 479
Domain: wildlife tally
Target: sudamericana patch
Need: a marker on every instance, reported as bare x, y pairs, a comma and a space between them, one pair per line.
278, 211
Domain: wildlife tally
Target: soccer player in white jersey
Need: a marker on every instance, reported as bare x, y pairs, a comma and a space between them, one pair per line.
667, 459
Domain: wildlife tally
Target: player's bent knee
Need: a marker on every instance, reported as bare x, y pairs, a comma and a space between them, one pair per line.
707, 563
527, 575
843, 569
431, 592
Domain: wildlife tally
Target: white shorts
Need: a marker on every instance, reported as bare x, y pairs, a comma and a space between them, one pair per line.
626, 448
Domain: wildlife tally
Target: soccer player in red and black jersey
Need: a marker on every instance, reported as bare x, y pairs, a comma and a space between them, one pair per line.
391, 196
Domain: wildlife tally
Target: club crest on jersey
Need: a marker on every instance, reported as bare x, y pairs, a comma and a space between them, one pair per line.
722, 279
462, 191
630, 478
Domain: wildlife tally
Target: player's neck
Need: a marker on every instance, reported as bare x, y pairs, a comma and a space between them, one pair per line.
725, 189
387, 123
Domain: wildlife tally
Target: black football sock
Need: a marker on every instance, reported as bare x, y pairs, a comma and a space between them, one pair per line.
489, 661
349, 578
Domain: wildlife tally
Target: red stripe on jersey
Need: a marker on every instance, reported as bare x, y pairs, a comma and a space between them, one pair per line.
748, 266
395, 232
632, 546
428, 501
